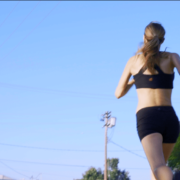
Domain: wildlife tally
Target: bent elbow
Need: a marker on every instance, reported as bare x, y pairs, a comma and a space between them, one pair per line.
117, 95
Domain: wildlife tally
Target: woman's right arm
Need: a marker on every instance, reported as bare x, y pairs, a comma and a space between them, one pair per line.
176, 61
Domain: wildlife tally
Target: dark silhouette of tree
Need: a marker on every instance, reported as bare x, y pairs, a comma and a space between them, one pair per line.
174, 159
113, 172
93, 174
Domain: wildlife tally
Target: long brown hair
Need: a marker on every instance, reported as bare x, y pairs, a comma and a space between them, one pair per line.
154, 36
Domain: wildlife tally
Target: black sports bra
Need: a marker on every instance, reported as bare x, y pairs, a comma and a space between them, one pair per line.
160, 81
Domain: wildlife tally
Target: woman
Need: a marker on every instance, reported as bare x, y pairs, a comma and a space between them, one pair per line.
157, 122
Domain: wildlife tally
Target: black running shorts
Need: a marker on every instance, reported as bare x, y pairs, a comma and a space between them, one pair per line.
161, 119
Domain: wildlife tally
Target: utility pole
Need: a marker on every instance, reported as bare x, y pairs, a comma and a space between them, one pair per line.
108, 123
106, 129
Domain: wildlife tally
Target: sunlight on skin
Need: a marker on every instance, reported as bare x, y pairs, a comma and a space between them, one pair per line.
152, 176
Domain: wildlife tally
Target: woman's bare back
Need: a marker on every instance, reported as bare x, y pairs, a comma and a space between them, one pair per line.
153, 97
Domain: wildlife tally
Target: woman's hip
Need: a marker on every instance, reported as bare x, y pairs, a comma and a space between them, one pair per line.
162, 119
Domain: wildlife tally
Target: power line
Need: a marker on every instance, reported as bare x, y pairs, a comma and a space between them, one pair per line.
56, 149
32, 29
128, 150
72, 93
19, 24
69, 93
55, 164
9, 13
52, 164
53, 174
13, 169
51, 90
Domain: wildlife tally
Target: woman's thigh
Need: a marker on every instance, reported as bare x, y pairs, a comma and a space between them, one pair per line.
167, 149
152, 145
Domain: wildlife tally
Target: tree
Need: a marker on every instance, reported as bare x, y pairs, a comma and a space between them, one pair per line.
174, 159
93, 174
114, 173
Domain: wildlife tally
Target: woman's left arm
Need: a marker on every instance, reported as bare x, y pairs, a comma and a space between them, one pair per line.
123, 85
128, 87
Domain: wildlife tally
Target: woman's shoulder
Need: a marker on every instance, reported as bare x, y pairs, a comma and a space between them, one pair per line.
170, 54
165, 55
175, 61
137, 58
174, 54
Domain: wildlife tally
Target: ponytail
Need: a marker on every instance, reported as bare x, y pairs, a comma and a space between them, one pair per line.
150, 48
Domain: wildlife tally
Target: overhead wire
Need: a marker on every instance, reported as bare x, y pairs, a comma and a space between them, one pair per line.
13, 169
70, 93
53, 164
56, 149
127, 150
19, 25
33, 29
50, 90
53, 174
9, 13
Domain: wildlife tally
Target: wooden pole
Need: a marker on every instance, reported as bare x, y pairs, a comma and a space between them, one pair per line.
106, 128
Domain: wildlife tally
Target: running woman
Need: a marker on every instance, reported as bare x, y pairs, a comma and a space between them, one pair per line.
157, 122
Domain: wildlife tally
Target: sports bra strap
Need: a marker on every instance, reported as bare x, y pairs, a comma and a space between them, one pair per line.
155, 67
141, 70
158, 69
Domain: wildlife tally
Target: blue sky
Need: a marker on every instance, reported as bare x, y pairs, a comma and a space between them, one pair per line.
60, 64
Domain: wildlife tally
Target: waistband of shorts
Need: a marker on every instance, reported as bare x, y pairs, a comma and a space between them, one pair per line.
159, 108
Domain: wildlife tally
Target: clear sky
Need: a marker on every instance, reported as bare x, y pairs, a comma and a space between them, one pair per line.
60, 64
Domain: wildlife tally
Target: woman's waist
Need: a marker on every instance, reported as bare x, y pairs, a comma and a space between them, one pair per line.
156, 96
154, 113
161, 105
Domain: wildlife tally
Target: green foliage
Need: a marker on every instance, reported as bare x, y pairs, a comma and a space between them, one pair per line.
113, 172
93, 174
118, 175
174, 159
113, 163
